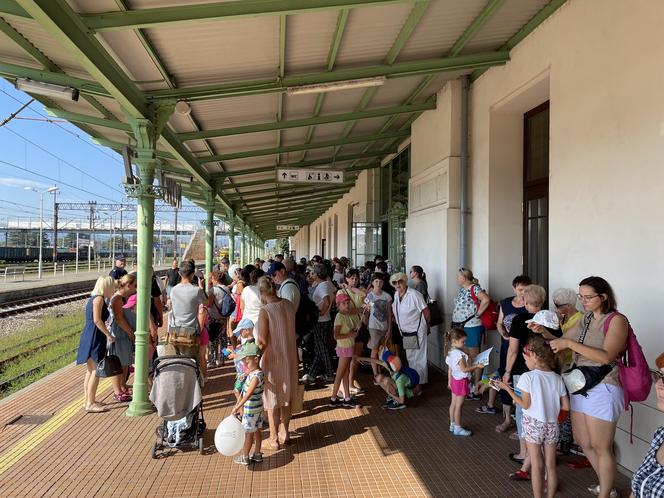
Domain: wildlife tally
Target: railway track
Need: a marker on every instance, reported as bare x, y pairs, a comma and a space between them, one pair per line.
25, 305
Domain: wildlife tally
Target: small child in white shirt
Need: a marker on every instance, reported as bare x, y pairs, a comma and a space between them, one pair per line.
458, 379
543, 395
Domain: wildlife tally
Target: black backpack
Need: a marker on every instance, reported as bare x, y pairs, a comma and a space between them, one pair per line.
307, 313
227, 303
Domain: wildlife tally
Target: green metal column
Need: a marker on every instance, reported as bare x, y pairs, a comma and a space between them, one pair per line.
231, 235
243, 246
146, 133
209, 240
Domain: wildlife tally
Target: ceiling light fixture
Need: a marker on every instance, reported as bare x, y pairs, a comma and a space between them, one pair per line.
183, 108
336, 86
47, 89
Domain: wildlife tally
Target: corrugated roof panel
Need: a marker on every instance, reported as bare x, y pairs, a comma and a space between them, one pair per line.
395, 91
370, 33
11, 52
330, 131
505, 22
41, 39
236, 111
299, 106
342, 101
293, 136
308, 39
442, 24
235, 50
367, 126
250, 141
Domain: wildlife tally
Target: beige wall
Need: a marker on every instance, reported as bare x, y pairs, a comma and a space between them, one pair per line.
594, 60
334, 225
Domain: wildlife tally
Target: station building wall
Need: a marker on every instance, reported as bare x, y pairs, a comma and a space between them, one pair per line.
593, 60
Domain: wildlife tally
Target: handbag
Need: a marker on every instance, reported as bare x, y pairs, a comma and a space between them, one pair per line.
435, 316
363, 330
580, 380
410, 339
110, 365
178, 335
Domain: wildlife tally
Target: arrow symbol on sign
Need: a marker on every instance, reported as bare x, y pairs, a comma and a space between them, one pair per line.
284, 175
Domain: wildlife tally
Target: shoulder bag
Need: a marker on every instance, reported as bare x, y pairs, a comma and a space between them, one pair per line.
410, 339
362, 330
579, 380
110, 365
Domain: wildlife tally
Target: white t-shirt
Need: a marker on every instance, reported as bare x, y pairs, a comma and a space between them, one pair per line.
452, 359
252, 305
408, 312
325, 288
379, 306
545, 389
291, 291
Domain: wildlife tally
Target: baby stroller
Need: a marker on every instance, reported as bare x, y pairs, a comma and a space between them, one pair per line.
176, 393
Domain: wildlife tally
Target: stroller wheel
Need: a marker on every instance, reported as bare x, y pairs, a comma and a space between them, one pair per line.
154, 451
201, 448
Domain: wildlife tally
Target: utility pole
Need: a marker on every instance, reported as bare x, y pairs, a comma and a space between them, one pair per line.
176, 246
91, 243
55, 226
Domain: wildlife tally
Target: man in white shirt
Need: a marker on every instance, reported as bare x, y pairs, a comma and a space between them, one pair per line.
288, 288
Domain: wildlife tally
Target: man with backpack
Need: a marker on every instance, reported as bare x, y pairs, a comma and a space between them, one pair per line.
288, 287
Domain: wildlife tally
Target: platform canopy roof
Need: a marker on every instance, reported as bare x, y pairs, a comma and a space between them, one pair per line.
270, 84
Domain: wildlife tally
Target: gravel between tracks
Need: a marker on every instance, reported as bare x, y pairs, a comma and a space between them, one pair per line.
27, 321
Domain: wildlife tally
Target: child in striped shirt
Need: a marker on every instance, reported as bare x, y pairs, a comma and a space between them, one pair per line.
252, 404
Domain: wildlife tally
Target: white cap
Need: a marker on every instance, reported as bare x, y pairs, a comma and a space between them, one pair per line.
546, 318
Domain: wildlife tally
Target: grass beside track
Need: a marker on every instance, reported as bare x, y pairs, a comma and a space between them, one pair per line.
45, 348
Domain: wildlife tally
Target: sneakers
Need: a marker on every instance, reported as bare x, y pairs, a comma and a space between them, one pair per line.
473, 397
452, 426
256, 457
490, 410
356, 390
460, 431
307, 379
335, 402
395, 405
388, 402
242, 460
594, 490
350, 403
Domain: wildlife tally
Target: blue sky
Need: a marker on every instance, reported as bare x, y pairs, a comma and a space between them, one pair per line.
37, 153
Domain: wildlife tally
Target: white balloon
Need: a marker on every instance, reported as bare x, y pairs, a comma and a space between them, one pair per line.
229, 436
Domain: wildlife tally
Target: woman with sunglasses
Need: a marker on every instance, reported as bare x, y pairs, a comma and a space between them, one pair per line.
594, 417
410, 312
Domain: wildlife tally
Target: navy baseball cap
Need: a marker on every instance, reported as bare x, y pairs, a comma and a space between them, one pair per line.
275, 267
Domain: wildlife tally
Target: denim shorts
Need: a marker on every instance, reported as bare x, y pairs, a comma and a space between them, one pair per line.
475, 335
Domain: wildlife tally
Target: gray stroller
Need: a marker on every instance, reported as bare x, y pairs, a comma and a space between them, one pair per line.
176, 393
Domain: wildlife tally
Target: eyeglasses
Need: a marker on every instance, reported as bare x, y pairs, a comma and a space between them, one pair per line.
462, 269
396, 282
586, 298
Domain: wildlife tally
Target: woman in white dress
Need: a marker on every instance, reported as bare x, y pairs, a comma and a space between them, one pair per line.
411, 314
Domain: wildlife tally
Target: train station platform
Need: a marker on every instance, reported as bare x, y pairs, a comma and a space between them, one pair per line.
50, 447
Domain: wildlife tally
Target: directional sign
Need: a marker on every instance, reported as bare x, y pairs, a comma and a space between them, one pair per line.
310, 176
288, 228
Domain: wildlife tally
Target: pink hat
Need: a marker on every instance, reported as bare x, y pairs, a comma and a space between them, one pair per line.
131, 302
342, 297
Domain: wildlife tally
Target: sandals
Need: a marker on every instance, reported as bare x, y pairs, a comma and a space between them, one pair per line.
520, 475
504, 427
96, 408
122, 397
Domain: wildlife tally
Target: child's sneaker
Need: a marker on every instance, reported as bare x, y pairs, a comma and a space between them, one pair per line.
335, 402
307, 379
257, 457
486, 409
388, 402
242, 460
350, 403
460, 431
395, 405
452, 426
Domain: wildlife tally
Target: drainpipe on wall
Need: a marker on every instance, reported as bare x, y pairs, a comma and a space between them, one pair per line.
463, 174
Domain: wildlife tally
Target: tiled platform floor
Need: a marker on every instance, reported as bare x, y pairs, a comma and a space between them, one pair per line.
337, 452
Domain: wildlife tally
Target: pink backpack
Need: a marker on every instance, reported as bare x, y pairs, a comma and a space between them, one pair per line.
633, 367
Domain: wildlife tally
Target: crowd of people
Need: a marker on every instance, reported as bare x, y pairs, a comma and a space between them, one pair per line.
273, 317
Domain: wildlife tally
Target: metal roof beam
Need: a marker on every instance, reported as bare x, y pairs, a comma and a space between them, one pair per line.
298, 123
91, 120
285, 192
292, 148
269, 205
11, 8
14, 71
396, 70
262, 203
217, 11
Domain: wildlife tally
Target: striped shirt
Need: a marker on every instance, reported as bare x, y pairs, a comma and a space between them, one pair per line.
254, 404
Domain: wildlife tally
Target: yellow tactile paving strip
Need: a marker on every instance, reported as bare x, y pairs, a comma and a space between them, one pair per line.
336, 452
